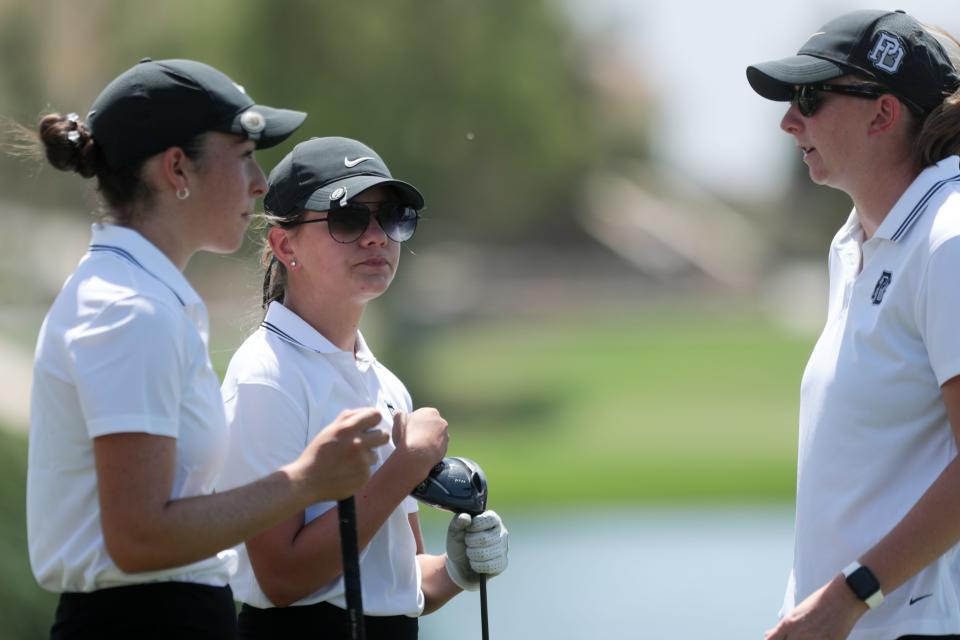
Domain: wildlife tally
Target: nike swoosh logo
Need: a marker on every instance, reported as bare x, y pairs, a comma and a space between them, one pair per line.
347, 162
919, 598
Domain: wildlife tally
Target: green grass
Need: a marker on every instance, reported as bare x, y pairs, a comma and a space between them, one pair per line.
26, 611
683, 407
689, 408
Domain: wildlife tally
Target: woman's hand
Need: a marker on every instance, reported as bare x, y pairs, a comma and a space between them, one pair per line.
144, 530
336, 463
476, 546
828, 614
422, 437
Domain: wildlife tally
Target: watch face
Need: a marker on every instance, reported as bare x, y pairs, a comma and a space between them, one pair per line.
863, 583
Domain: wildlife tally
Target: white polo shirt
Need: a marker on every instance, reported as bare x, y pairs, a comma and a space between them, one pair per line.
283, 386
874, 432
122, 349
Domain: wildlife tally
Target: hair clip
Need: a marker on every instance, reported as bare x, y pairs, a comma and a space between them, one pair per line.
73, 117
74, 137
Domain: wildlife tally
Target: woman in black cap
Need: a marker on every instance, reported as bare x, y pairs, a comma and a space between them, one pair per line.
875, 111
336, 220
127, 428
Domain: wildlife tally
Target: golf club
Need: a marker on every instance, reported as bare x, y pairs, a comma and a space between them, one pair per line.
458, 485
347, 513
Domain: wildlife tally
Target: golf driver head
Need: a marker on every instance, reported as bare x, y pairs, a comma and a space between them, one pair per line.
455, 484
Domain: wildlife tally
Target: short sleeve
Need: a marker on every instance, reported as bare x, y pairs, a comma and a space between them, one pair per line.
268, 429
939, 308
410, 505
127, 365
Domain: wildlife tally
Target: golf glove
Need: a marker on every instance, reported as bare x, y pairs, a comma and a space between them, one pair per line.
475, 546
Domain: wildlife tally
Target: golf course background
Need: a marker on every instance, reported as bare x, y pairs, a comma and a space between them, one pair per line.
599, 328
680, 405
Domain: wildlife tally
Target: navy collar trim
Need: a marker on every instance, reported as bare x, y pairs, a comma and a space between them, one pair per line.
920, 207
126, 255
277, 331
274, 329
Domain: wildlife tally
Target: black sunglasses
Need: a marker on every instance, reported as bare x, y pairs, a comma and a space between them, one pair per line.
808, 98
349, 222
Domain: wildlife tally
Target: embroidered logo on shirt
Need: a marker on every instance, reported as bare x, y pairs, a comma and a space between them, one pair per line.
919, 598
885, 279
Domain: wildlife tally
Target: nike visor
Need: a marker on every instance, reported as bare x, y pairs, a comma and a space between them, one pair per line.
321, 173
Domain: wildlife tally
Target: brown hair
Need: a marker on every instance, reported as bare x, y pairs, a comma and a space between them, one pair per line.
939, 135
275, 272
69, 145
939, 132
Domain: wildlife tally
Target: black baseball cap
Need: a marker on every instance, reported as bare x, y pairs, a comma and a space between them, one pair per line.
158, 104
889, 47
322, 173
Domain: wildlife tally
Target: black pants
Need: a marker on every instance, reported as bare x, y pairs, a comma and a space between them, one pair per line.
155, 611
322, 621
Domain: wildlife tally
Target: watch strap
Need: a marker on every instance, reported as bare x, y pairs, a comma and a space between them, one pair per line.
863, 584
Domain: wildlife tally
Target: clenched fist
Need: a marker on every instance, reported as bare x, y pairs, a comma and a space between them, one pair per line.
420, 438
336, 463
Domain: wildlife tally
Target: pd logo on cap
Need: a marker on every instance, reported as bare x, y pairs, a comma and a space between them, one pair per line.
887, 53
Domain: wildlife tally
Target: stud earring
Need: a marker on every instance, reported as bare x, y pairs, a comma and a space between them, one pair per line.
183, 194
293, 263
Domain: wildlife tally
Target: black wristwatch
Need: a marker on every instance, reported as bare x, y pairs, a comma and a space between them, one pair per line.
864, 584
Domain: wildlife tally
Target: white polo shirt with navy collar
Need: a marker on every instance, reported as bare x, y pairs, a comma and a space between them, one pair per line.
874, 432
284, 384
123, 349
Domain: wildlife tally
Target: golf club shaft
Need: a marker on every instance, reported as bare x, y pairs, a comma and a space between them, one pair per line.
484, 629
347, 511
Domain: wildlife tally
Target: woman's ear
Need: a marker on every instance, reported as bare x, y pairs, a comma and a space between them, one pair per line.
174, 169
279, 241
889, 111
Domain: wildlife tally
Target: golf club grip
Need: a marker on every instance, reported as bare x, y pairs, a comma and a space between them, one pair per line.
484, 628
347, 512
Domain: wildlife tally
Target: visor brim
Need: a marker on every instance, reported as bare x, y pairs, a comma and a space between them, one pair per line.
775, 80
320, 199
278, 125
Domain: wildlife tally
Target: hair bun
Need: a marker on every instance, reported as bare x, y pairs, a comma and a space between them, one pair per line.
68, 143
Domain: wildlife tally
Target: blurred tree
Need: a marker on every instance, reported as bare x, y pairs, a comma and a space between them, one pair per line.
20, 80
57, 58
492, 108
482, 104
476, 102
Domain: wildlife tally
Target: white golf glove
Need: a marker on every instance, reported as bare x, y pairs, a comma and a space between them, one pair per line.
475, 546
